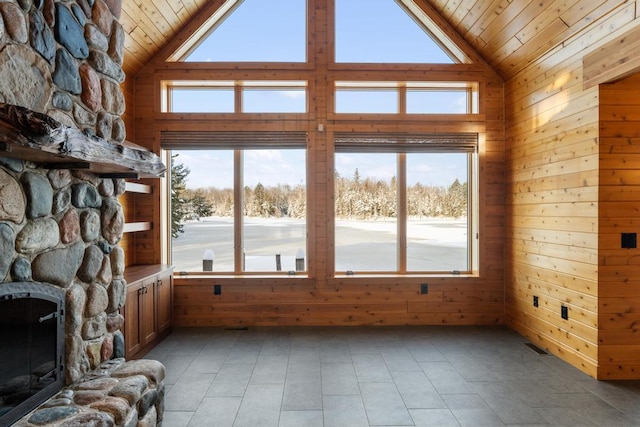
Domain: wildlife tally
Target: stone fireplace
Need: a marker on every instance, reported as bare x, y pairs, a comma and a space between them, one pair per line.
59, 231
32, 319
63, 159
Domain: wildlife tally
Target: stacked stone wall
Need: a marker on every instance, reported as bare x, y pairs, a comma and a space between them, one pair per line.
64, 59
61, 228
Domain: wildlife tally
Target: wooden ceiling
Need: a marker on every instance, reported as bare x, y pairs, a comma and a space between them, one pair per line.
508, 34
150, 25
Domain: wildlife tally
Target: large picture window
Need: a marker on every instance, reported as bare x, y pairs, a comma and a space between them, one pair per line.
403, 208
247, 217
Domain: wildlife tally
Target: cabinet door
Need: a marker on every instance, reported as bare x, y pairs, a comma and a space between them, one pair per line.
132, 335
147, 315
165, 301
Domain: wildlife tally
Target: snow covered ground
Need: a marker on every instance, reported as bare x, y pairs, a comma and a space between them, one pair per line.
433, 245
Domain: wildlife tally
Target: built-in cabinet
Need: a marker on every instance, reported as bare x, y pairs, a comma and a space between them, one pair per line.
148, 308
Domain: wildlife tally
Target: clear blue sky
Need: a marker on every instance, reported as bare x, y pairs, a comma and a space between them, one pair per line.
275, 31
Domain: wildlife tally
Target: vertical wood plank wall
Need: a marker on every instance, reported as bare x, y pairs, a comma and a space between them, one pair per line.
141, 247
321, 298
128, 88
619, 209
554, 206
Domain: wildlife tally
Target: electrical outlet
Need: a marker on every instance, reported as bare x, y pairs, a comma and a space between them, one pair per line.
564, 312
628, 240
424, 288
535, 300
217, 289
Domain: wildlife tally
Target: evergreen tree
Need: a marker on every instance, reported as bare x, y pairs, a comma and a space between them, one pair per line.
200, 207
179, 175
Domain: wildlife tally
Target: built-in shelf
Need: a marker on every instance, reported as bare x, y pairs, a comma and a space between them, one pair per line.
131, 227
134, 187
137, 188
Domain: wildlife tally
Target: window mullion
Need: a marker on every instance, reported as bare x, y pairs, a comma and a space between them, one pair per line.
237, 92
238, 212
401, 210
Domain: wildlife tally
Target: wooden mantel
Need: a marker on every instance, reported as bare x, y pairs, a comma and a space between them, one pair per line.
33, 136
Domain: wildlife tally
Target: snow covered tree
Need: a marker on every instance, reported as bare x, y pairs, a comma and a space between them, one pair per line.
179, 173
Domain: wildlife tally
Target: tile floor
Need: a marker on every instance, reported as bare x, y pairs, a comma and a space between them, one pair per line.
379, 376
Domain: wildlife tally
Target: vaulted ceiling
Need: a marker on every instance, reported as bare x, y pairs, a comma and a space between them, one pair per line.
508, 34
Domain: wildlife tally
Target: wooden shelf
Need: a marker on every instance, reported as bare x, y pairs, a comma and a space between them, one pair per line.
131, 227
133, 187
33, 136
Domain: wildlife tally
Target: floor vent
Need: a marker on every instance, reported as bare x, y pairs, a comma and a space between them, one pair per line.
535, 348
239, 328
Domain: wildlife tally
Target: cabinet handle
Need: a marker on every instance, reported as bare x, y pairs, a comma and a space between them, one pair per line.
159, 282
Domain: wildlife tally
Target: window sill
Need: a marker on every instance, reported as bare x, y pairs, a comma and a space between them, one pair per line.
407, 276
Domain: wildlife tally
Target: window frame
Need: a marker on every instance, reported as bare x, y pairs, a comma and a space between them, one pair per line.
216, 19
238, 219
320, 120
403, 88
239, 87
401, 218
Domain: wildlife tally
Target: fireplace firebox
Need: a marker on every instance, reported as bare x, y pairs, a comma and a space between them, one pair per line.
32, 346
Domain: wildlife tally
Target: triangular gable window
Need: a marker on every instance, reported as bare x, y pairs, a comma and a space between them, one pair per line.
254, 31
366, 31
390, 31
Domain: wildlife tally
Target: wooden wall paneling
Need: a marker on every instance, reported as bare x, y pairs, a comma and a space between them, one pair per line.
537, 286
618, 297
128, 91
614, 59
558, 23
552, 164
556, 179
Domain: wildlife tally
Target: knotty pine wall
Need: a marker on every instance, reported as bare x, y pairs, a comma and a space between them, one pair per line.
321, 298
619, 209
141, 247
566, 208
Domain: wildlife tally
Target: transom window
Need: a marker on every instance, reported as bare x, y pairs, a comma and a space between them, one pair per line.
236, 96
406, 97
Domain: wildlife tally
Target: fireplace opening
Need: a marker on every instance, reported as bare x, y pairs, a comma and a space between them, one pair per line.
32, 350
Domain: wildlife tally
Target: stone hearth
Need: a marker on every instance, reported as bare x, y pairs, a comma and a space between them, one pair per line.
127, 394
